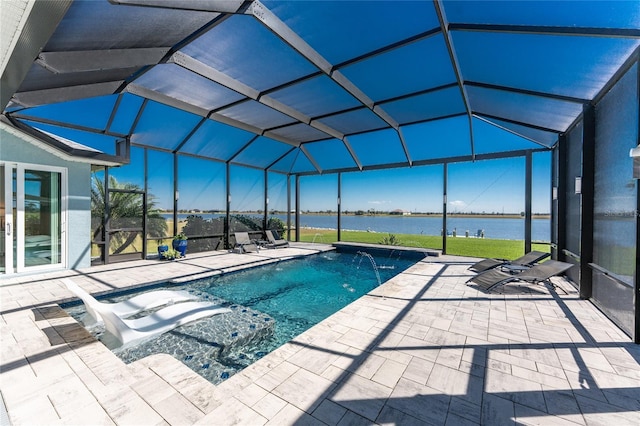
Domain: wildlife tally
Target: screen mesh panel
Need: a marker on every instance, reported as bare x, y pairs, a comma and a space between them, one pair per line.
438, 139
217, 140
547, 113
162, 126
379, 147
75, 112
436, 104
72, 137
40, 78
301, 72
537, 135
277, 189
541, 197
488, 138
181, 84
262, 152
126, 113
560, 65
615, 202
159, 187
316, 96
207, 189
330, 154
294, 162
256, 114
298, 132
132, 174
336, 29
360, 120
247, 51
606, 14
91, 25
424, 71
573, 169
247, 195
491, 180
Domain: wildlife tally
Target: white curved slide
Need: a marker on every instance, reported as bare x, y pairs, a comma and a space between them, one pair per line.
161, 321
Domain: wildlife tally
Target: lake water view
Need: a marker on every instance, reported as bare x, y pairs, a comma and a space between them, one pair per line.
495, 228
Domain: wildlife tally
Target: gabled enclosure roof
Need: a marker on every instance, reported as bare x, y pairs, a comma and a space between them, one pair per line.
317, 86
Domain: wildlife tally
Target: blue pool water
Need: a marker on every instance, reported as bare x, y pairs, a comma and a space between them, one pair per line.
270, 306
299, 294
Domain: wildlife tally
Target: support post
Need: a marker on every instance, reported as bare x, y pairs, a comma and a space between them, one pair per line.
587, 195
175, 194
298, 208
561, 214
106, 220
144, 203
339, 206
288, 207
445, 167
636, 301
265, 218
227, 217
527, 201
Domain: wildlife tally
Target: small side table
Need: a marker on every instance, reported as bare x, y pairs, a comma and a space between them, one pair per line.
514, 269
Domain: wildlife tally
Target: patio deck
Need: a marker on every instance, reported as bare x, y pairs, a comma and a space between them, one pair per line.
423, 348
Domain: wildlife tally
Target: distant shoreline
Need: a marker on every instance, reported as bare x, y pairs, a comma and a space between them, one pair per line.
452, 215
457, 215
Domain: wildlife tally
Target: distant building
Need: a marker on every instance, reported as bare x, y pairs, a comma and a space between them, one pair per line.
400, 212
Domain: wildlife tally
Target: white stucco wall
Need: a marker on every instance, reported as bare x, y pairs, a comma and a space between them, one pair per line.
19, 147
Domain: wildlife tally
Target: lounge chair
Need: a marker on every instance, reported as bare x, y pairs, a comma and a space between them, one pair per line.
132, 306
535, 274
244, 244
166, 319
528, 259
275, 242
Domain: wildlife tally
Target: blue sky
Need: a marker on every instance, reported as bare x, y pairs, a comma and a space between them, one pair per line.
482, 186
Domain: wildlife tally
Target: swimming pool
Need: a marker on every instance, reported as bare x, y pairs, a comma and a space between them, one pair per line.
271, 305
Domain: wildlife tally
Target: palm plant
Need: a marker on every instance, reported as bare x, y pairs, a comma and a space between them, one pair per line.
126, 210
390, 240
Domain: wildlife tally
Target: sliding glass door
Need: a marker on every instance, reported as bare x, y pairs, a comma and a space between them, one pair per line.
32, 217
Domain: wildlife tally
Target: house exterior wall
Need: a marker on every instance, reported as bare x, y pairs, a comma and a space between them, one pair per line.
18, 147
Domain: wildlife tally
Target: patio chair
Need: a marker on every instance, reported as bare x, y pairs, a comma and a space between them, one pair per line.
535, 274
166, 319
528, 259
132, 306
244, 244
273, 241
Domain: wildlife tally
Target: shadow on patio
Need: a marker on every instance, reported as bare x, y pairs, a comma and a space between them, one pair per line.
411, 373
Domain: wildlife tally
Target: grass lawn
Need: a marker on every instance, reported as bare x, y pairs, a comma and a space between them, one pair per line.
475, 247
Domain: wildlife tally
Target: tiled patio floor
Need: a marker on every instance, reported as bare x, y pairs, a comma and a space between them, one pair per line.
424, 348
